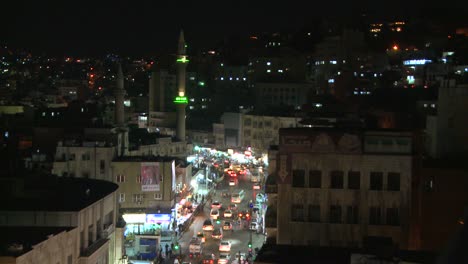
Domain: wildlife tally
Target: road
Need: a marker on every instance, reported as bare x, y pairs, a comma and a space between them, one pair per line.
239, 237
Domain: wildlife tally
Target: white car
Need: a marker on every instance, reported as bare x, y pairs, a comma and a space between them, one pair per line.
254, 226
214, 214
224, 258
225, 246
228, 213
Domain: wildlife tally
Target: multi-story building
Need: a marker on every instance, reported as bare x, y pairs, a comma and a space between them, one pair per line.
82, 211
447, 130
279, 93
337, 187
150, 185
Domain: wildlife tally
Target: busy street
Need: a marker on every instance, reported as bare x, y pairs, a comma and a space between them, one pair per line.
235, 208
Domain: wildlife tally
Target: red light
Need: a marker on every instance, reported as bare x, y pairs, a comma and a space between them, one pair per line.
152, 63
240, 215
91, 75
91, 68
100, 88
247, 215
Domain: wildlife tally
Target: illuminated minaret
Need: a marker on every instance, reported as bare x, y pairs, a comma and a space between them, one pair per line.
119, 94
181, 100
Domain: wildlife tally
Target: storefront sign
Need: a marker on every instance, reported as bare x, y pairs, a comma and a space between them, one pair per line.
157, 218
134, 218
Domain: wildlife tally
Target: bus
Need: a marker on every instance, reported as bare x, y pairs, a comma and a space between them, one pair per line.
237, 197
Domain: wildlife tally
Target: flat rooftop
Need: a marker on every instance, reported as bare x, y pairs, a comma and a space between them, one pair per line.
52, 193
26, 237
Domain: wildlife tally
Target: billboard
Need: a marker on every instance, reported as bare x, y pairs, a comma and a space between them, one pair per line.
150, 177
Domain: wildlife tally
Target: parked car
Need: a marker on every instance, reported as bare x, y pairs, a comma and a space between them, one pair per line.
224, 246
208, 225
254, 226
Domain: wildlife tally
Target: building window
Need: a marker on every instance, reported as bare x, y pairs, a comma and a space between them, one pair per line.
393, 217
297, 212
375, 216
158, 196
102, 166
298, 179
138, 178
137, 198
376, 180
352, 215
336, 180
247, 122
354, 180
393, 181
335, 214
120, 178
315, 179
121, 197
314, 213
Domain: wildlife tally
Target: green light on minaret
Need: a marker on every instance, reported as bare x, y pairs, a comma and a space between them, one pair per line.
201, 83
181, 100
183, 59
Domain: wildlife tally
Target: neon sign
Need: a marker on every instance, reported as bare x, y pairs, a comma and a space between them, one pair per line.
181, 100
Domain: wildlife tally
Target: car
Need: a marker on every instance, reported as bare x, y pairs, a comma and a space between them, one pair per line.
208, 259
224, 246
232, 182
201, 236
214, 213
224, 258
227, 213
254, 226
217, 233
216, 205
227, 225
244, 215
233, 207
208, 225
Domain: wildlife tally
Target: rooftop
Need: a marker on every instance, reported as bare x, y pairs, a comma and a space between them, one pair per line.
27, 237
52, 193
145, 158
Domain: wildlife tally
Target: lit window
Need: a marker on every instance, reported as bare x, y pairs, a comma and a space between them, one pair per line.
230, 78
237, 78
280, 70
222, 78
268, 70
191, 107
331, 80
192, 78
222, 64
245, 79
203, 106
192, 99
333, 62
425, 105
433, 105
339, 73
268, 63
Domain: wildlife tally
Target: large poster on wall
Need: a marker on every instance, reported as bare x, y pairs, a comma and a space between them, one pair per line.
150, 177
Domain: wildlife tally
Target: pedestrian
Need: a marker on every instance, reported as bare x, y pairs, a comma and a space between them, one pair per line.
176, 233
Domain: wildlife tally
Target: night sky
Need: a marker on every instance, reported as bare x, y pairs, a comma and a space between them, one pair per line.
147, 27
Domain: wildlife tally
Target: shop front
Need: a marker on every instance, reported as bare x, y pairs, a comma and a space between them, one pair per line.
142, 234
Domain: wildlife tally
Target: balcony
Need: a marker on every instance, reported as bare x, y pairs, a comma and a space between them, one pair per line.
107, 230
93, 248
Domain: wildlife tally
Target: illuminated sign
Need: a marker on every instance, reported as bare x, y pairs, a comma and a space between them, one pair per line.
134, 218
183, 59
181, 100
157, 218
416, 62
